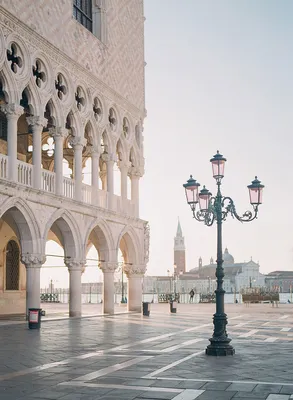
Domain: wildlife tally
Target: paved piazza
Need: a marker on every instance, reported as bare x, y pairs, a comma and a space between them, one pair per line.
128, 356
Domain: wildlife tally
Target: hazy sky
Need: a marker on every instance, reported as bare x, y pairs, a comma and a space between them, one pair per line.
218, 76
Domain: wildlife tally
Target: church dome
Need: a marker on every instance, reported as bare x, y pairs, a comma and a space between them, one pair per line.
228, 258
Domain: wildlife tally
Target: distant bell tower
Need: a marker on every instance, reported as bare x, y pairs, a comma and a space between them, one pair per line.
179, 252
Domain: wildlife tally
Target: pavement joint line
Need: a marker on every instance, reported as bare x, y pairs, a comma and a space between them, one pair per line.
125, 387
189, 394
183, 394
271, 339
110, 369
93, 354
55, 364
178, 346
174, 364
217, 381
250, 333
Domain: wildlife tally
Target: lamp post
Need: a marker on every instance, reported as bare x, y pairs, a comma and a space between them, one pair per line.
217, 209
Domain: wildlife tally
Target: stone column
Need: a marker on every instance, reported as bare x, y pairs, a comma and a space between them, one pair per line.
75, 269
109, 160
103, 176
78, 144
108, 269
135, 176
134, 274
124, 167
33, 263
12, 112
58, 134
37, 124
95, 154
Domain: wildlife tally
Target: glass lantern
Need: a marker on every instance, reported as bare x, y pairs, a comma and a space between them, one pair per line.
191, 192
218, 164
204, 199
255, 192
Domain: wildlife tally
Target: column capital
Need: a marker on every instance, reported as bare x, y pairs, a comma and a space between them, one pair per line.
124, 165
33, 260
134, 269
77, 142
58, 132
135, 172
94, 151
37, 121
108, 267
74, 264
108, 158
12, 110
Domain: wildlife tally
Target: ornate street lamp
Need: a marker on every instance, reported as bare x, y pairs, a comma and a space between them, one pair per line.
217, 209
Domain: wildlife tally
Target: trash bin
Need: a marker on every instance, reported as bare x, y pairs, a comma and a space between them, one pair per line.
146, 308
34, 318
173, 307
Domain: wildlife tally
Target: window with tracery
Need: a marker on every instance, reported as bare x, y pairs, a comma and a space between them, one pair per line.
12, 265
83, 13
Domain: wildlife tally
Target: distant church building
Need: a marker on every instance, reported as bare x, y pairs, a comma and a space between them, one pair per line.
179, 252
237, 275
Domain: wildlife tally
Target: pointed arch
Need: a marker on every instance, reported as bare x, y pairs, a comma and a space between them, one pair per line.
9, 87
17, 213
106, 142
65, 227
35, 102
73, 122
129, 244
92, 133
121, 149
101, 237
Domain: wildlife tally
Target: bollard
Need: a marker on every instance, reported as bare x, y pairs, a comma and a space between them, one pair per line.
146, 308
34, 318
173, 307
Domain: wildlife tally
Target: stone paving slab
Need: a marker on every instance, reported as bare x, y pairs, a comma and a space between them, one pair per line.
161, 357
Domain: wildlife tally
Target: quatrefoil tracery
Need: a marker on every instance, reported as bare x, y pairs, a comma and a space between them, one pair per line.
80, 101
60, 87
97, 109
16, 61
39, 75
112, 118
125, 127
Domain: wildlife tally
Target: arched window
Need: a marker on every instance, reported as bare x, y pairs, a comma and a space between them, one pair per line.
83, 13
12, 266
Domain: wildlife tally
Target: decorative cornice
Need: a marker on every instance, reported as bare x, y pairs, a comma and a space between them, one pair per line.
25, 32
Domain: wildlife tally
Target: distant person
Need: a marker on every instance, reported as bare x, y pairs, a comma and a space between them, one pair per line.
236, 301
289, 301
191, 294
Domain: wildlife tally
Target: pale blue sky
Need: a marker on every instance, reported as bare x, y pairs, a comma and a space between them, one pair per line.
218, 76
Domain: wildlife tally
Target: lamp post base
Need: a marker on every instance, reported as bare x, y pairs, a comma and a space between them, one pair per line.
220, 346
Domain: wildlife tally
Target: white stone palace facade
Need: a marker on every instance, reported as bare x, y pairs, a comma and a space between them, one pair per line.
71, 90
